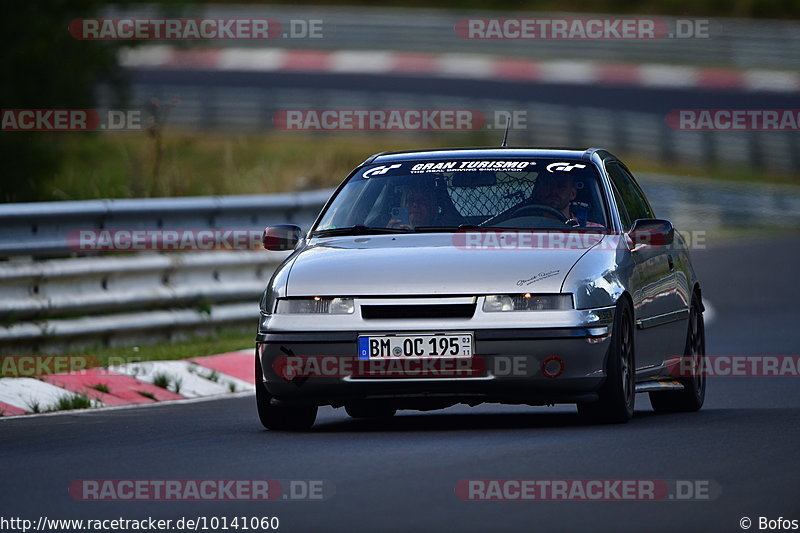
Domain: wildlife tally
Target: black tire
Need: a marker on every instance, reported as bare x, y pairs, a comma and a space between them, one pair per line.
618, 393
281, 417
691, 398
369, 410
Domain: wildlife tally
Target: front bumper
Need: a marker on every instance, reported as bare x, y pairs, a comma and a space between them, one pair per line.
521, 365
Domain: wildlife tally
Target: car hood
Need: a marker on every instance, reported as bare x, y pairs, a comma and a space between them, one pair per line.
420, 264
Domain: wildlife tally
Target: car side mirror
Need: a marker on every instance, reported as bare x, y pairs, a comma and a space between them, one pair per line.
281, 237
652, 232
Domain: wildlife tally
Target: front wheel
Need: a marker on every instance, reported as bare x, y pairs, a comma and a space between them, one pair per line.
618, 394
281, 417
693, 395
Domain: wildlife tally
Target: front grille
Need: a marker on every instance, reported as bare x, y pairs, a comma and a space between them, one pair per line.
418, 311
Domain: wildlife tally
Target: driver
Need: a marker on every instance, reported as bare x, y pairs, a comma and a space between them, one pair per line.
421, 207
557, 192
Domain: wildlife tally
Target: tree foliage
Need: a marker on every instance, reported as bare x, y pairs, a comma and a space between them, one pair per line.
45, 68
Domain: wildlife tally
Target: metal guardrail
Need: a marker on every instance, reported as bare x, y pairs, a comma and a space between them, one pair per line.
42, 229
88, 285
51, 303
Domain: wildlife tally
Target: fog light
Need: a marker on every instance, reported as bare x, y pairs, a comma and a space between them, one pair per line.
552, 366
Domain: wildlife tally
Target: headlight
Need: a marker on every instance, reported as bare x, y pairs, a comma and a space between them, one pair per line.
527, 302
316, 305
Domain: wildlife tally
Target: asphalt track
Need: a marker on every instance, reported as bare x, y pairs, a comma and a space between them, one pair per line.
620, 98
400, 475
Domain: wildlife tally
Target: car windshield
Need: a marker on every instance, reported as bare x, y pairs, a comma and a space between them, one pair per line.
446, 195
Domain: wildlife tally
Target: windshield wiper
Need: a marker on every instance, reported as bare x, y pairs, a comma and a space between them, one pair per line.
358, 229
461, 227
433, 229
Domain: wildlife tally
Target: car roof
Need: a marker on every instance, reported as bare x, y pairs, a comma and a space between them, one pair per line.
489, 153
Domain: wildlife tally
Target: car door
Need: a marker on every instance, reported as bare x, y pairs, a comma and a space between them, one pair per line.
655, 297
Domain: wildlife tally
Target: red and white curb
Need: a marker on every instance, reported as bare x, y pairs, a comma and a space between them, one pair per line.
132, 384
459, 66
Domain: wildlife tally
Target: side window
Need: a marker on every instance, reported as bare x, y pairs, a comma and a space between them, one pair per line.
632, 197
623, 213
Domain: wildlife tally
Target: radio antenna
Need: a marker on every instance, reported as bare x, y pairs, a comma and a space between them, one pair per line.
505, 136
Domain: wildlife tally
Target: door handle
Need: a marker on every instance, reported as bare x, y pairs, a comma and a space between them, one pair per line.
671, 263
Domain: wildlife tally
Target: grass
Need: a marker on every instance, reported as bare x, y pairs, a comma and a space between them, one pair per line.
166, 381
149, 395
120, 166
176, 385
74, 401
192, 164
162, 380
224, 341
197, 370
64, 403
101, 387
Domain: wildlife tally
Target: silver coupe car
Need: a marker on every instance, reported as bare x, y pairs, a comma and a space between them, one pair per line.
506, 275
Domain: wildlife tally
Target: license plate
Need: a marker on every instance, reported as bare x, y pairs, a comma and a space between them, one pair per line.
415, 346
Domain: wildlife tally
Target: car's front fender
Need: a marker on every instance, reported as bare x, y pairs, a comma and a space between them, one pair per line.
601, 275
